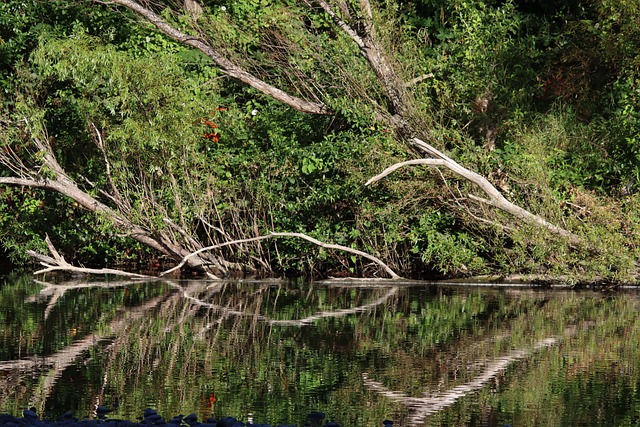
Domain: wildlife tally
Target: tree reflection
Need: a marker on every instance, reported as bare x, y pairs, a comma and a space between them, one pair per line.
274, 350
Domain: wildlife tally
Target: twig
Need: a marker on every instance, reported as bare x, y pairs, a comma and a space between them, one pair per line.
418, 79
117, 197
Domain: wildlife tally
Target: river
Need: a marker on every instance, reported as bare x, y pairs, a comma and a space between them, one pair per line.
419, 354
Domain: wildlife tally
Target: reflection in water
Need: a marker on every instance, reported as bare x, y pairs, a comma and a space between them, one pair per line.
421, 407
272, 351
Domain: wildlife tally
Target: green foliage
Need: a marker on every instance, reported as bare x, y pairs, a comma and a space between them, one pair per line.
196, 154
443, 248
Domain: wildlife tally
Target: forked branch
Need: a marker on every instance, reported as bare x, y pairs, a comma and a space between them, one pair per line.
58, 263
496, 199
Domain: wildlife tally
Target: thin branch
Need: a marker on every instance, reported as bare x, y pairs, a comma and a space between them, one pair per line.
418, 79
56, 256
298, 235
116, 197
338, 21
393, 168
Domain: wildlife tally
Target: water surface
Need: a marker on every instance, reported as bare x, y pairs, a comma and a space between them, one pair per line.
420, 355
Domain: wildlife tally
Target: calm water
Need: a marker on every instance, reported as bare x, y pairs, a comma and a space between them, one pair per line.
271, 352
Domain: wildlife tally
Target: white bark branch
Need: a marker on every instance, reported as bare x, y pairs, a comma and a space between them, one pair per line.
496, 199
62, 265
375, 56
418, 79
298, 235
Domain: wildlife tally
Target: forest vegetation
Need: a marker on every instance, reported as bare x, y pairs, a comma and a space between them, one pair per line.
133, 133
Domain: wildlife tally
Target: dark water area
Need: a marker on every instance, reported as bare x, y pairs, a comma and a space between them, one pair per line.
417, 354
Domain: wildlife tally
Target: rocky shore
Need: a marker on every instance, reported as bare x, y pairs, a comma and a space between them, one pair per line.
149, 417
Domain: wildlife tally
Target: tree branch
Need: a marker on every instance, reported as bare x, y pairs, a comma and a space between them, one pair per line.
374, 54
298, 235
226, 65
58, 263
63, 184
496, 199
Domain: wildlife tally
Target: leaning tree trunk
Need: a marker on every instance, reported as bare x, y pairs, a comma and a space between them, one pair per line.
396, 115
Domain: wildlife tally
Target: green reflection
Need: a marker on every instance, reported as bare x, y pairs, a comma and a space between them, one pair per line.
427, 355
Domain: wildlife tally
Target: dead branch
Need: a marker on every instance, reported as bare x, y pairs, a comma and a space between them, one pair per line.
116, 196
58, 263
283, 234
226, 65
373, 52
496, 199
64, 266
418, 79
60, 182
